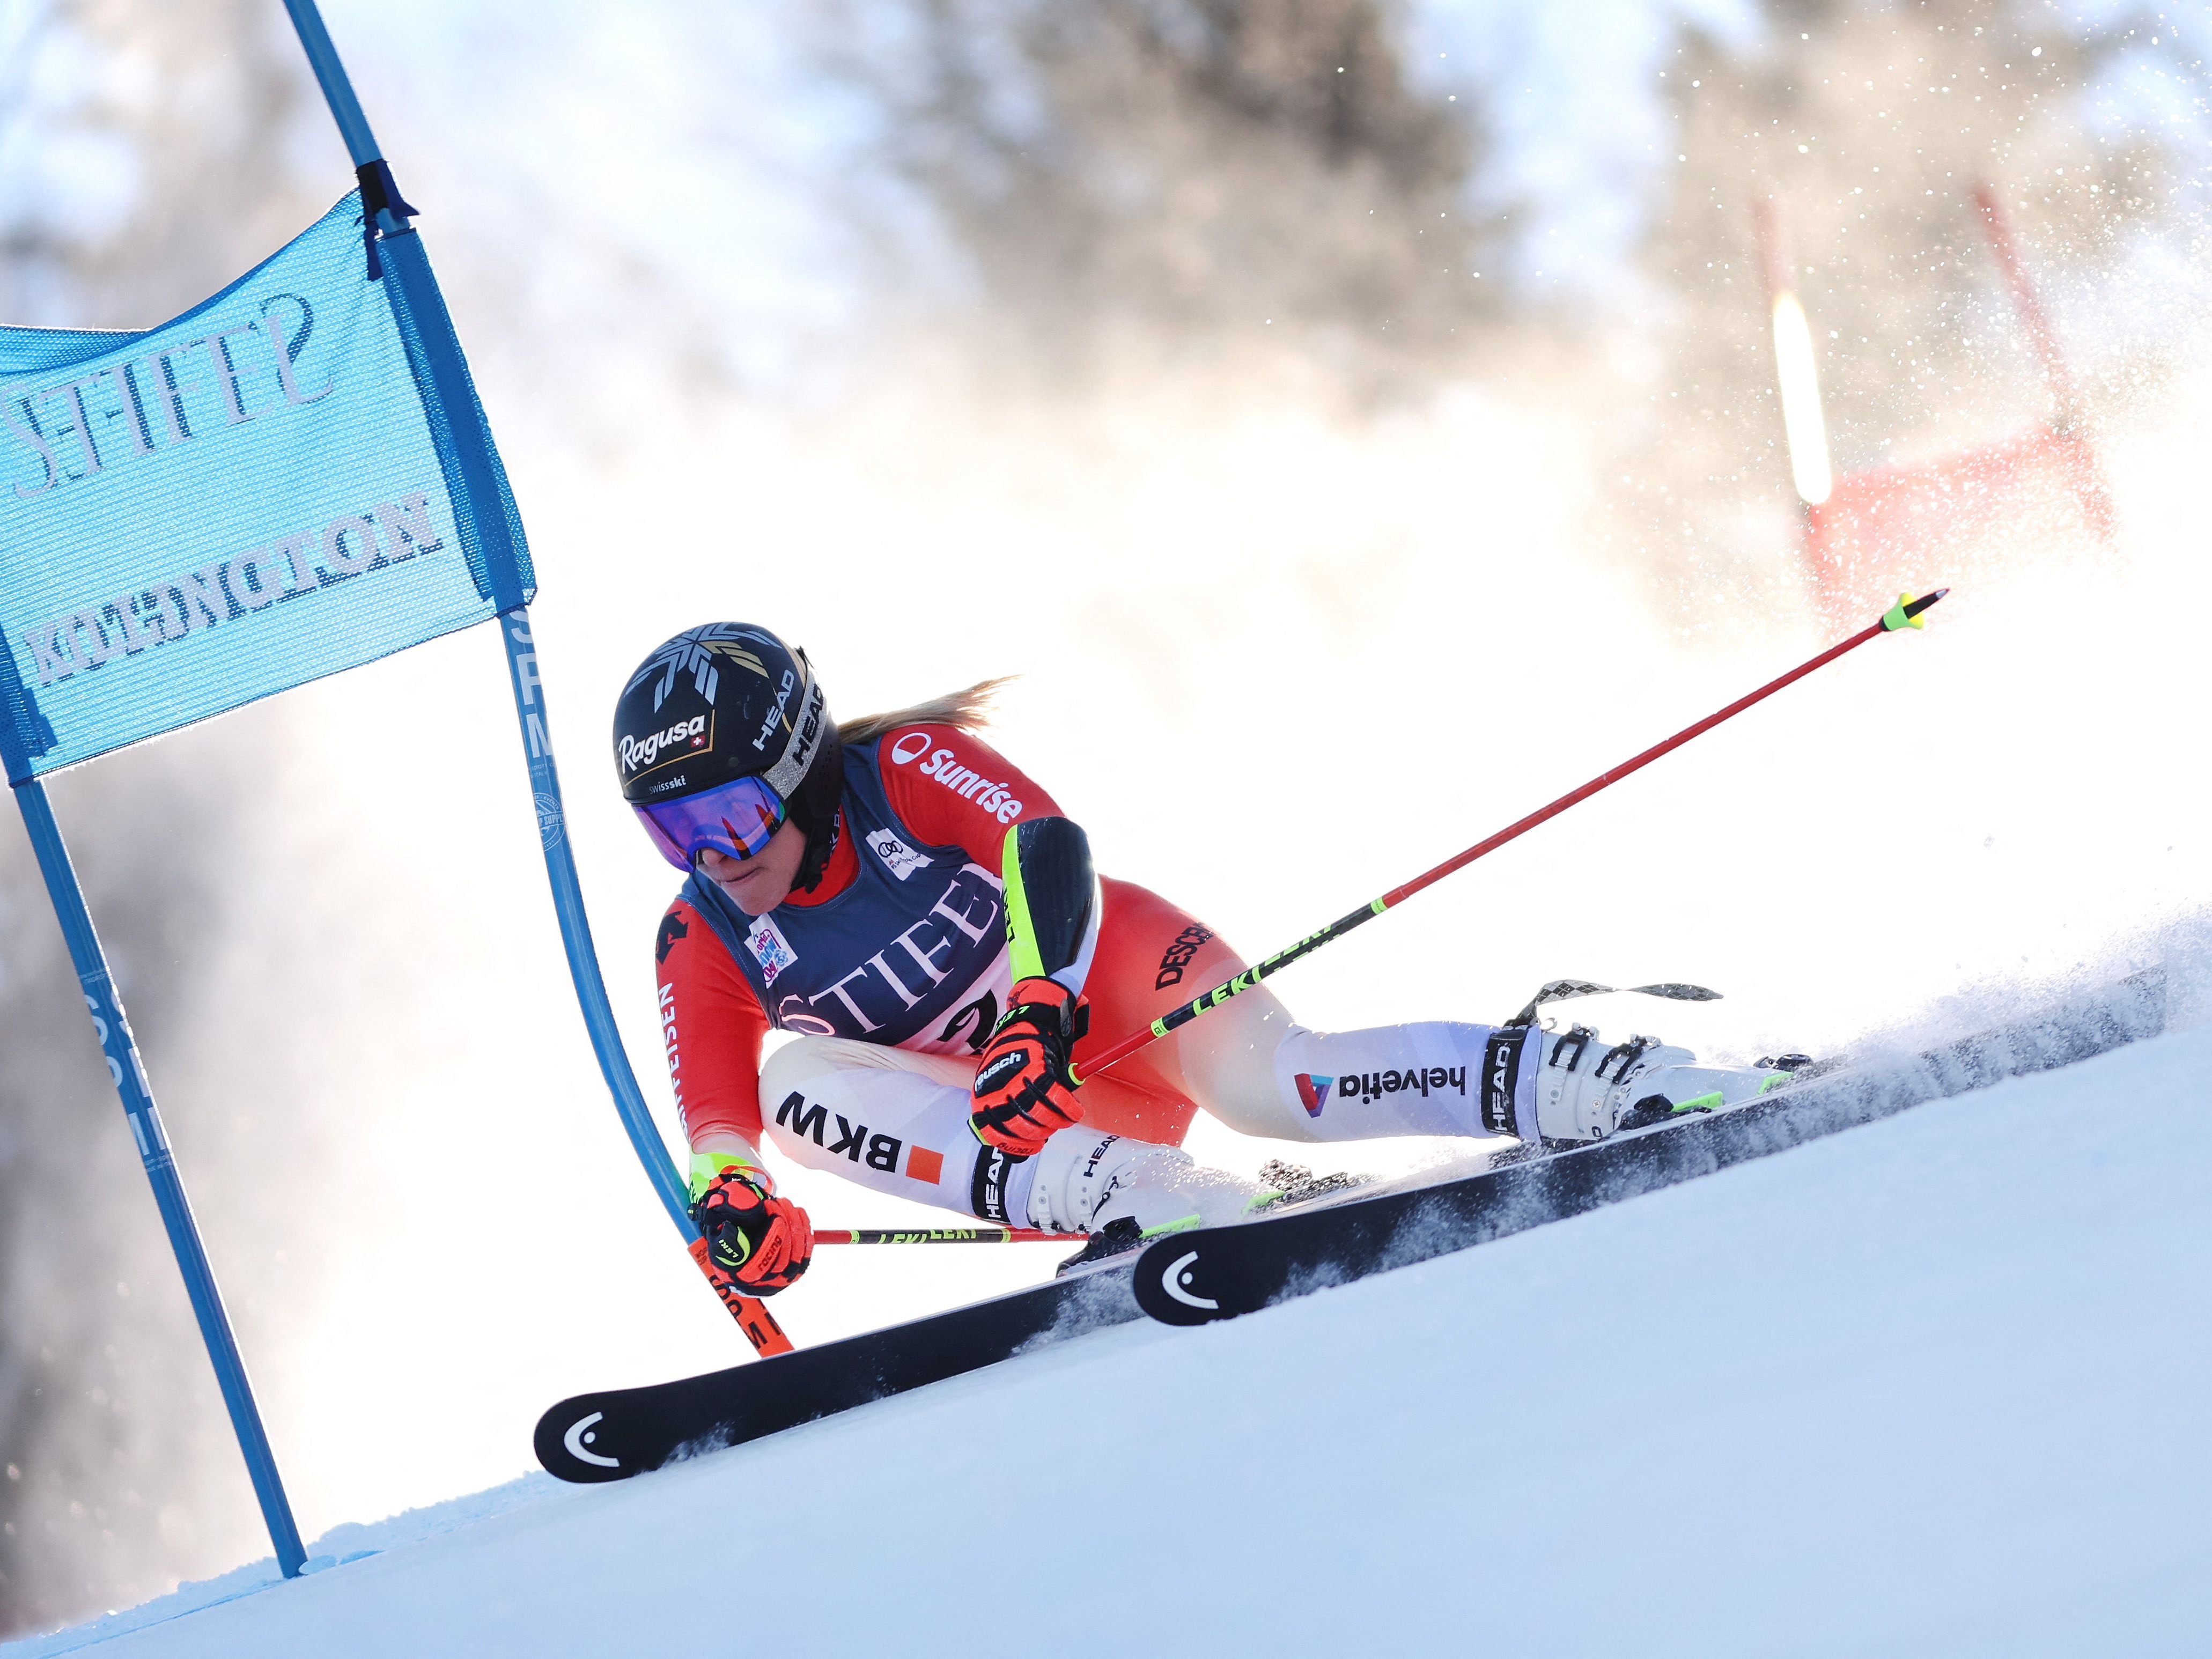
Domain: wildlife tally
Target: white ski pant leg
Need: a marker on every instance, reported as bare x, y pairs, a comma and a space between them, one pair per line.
898, 1122
1262, 1075
891, 1119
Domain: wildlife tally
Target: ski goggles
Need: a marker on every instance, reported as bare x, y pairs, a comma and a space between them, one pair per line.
736, 820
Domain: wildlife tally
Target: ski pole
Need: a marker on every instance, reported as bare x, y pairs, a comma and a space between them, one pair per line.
1905, 613
944, 1235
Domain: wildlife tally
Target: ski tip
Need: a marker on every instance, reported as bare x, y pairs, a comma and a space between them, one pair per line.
1172, 1282
573, 1441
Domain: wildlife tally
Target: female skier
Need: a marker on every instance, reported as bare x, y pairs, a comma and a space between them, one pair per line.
917, 910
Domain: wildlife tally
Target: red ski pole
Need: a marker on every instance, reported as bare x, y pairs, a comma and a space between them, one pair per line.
752, 1314
944, 1235
1905, 613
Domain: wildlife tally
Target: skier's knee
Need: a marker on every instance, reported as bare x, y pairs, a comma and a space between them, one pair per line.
802, 1082
809, 1059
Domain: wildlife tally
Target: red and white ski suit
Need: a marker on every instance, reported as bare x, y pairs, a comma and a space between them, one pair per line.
893, 967
1151, 957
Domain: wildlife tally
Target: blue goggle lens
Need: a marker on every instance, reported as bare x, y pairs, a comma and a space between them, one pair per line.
736, 820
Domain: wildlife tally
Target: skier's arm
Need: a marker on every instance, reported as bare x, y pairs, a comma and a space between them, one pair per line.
1024, 1090
711, 1025
952, 789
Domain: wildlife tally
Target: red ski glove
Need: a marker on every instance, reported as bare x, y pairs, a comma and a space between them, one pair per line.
755, 1243
1023, 1090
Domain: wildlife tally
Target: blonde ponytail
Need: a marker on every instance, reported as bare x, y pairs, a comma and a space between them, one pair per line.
967, 709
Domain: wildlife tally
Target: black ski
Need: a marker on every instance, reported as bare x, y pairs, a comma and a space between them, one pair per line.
1219, 1272
619, 1432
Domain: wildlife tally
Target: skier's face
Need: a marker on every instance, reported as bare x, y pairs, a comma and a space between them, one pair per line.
758, 884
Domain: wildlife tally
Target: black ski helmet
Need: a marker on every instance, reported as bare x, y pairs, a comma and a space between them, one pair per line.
725, 702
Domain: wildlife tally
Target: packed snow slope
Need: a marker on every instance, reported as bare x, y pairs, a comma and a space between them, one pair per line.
1935, 1385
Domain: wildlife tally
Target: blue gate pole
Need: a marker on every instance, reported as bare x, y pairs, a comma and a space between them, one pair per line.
528, 704
129, 1072
754, 1320
450, 390
529, 710
575, 928
337, 88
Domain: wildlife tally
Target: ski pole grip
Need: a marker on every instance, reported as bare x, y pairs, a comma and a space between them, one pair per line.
1905, 613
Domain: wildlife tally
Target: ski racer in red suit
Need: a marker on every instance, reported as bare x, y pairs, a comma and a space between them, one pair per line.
918, 912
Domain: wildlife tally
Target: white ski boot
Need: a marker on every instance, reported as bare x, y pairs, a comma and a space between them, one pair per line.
1125, 1192
1586, 1091
1087, 1179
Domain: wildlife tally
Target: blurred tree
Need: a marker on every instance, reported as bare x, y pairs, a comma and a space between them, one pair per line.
1869, 127
1183, 177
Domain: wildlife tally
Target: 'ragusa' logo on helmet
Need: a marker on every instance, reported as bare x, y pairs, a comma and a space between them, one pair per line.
909, 748
638, 753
